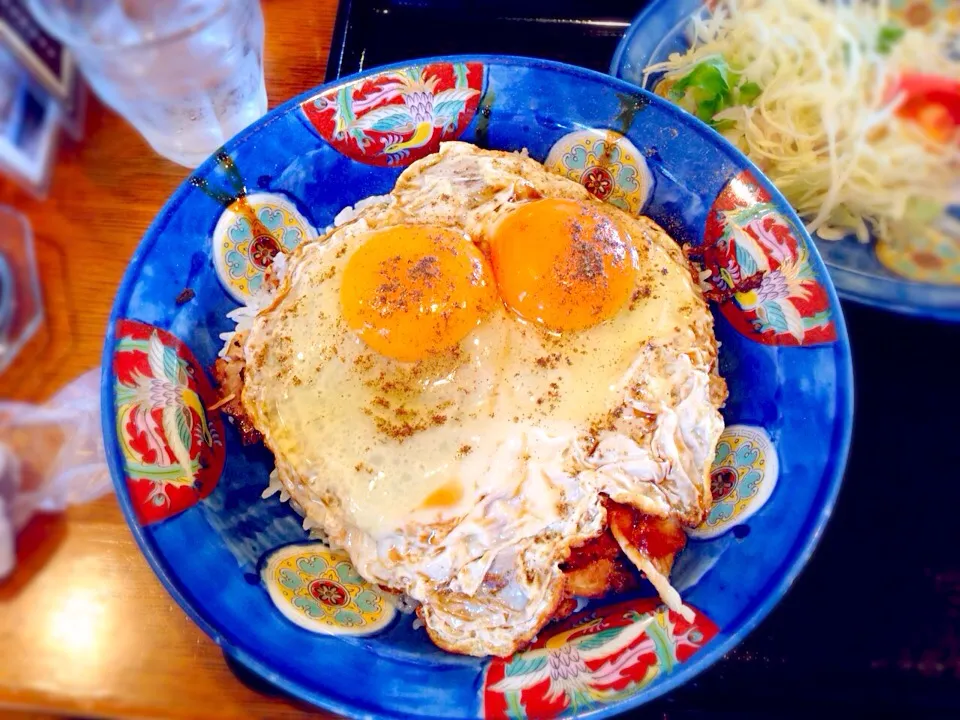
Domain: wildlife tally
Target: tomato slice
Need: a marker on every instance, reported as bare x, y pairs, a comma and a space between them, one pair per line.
932, 101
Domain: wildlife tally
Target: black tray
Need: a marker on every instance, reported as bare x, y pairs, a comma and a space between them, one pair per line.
376, 32
872, 626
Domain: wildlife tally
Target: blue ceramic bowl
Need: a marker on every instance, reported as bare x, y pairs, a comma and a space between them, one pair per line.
901, 282
244, 569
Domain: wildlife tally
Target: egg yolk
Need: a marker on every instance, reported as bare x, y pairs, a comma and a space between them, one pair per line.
562, 263
413, 291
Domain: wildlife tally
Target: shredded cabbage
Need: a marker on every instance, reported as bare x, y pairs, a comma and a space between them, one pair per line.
803, 87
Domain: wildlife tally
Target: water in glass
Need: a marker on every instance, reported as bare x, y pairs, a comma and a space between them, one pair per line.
188, 74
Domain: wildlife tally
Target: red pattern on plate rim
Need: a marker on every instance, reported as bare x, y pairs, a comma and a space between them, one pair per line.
593, 658
172, 448
760, 271
398, 116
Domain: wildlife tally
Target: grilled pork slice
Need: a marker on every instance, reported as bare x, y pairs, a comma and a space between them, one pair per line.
228, 372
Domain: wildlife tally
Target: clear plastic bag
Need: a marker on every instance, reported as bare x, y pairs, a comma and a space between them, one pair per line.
51, 456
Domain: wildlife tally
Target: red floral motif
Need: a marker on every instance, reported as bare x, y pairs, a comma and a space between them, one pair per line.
398, 116
722, 481
329, 592
760, 271
262, 251
173, 452
598, 181
591, 659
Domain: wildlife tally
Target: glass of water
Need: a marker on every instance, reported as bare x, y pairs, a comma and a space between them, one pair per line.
187, 74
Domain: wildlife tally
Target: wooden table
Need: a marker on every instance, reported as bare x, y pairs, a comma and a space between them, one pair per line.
85, 627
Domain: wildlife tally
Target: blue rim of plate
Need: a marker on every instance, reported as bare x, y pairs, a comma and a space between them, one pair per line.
886, 291
799, 552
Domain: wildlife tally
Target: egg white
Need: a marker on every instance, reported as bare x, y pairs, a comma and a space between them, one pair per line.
516, 438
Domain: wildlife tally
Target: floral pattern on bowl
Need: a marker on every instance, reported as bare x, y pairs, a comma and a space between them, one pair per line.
249, 234
743, 476
592, 659
605, 163
399, 116
758, 270
932, 257
319, 589
173, 451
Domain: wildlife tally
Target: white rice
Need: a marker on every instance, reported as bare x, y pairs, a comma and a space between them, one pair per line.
350, 212
243, 316
319, 535
280, 265
407, 605
274, 486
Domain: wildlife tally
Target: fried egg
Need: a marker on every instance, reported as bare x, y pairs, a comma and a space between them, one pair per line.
453, 381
